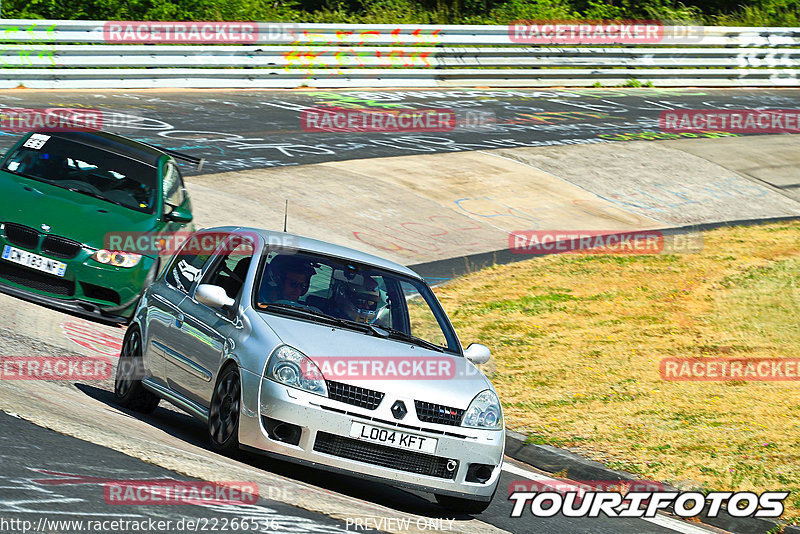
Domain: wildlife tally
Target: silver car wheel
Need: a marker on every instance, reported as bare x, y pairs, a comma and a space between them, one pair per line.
223, 420
127, 366
128, 389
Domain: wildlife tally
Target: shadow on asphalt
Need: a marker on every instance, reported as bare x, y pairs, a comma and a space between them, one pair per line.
193, 431
10, 291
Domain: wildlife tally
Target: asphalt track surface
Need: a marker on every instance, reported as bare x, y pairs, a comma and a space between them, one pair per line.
38, 485
249, 129
64, 492
239, 130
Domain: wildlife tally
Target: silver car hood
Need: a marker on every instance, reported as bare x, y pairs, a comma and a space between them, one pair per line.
455, 388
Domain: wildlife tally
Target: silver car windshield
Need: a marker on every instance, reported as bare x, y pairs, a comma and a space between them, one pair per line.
364, 297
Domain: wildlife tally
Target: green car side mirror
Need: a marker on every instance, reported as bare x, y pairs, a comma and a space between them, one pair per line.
179, 215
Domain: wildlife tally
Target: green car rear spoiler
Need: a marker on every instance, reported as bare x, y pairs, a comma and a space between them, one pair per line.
185, 157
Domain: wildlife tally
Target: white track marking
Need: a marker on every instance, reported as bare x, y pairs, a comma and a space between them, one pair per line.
661, 520
530, 475
676, 524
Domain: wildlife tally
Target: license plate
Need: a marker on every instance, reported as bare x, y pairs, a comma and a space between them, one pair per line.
393, 438
34, 261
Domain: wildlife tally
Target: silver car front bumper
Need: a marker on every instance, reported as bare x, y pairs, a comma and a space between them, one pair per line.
315, 414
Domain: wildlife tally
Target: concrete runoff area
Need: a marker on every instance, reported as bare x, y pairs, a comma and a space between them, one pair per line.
667, 183
422, 208
774, 161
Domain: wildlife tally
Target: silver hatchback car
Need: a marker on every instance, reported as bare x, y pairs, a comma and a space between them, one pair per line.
318, 354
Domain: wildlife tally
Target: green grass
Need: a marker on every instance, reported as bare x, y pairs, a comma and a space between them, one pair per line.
577, 342
732, 13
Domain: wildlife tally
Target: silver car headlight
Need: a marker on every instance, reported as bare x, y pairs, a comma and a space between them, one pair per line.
484, 412
292, 368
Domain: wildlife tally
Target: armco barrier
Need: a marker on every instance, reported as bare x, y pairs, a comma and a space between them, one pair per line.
79, 54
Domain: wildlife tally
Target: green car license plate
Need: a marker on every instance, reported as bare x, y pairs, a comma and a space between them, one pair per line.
34, 261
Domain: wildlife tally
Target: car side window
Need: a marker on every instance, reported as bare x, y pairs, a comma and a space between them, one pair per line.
230, 269
384, 317
174, 192
185, 270
423, 322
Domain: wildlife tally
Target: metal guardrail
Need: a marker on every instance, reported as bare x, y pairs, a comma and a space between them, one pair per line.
77, 54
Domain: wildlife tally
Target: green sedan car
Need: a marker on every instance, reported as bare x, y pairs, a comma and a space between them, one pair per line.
62, 195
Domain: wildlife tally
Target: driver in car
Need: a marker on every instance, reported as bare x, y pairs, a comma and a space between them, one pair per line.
290, 279
356, 299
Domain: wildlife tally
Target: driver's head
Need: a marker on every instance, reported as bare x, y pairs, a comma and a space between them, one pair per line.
357, 298
292, 275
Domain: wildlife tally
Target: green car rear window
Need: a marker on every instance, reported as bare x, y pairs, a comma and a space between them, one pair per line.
87, 170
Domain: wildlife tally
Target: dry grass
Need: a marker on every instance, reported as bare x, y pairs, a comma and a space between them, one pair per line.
577, 342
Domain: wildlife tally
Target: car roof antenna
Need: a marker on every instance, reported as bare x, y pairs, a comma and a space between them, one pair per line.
285, 214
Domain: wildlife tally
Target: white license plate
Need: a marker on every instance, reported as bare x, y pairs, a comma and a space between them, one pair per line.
393, 438
34, 261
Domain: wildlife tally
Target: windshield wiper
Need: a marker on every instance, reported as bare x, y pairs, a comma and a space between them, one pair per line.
306, 312
73, 189
376, 330
294, 308
89, 193
394, 333
23, 174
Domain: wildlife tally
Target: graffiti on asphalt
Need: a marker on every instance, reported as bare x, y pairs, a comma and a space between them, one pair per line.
246, 130
667, 196
421, 236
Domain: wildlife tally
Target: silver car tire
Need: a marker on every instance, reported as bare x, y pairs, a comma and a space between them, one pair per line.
223, 416
128, 389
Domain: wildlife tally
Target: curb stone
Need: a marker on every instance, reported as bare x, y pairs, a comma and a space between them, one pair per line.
443, 270
553, 460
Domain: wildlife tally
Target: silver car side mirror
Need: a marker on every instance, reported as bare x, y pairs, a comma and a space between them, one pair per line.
212, 296
477, 353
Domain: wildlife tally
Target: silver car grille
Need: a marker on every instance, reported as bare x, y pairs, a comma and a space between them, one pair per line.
389, 457
428, 412
357, 396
